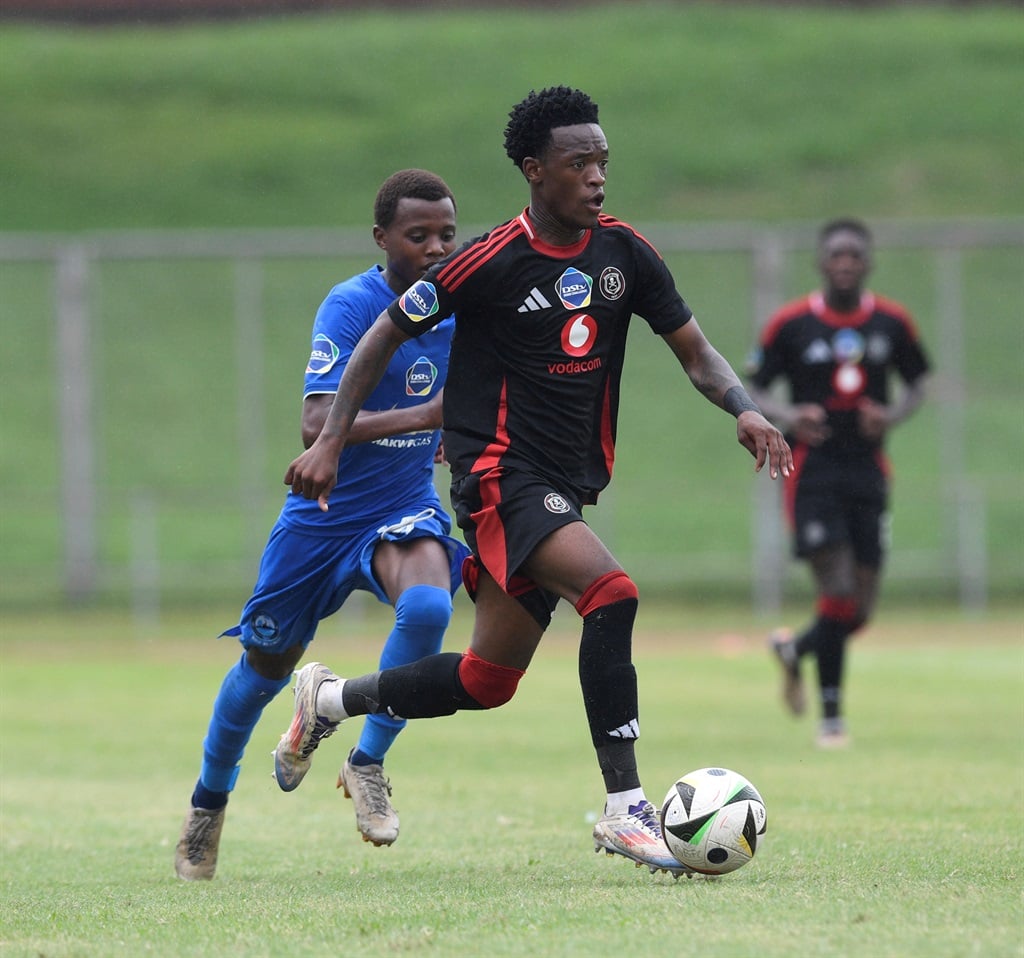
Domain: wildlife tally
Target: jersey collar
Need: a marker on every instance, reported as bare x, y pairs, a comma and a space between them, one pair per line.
558, 252
860, 315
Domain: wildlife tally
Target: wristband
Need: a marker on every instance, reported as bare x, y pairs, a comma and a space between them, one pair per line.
737, 401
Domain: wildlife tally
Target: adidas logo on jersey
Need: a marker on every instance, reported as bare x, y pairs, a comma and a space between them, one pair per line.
534, 302
817, 352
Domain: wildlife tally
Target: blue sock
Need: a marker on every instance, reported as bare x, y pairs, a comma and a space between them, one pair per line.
422, 613
242, 697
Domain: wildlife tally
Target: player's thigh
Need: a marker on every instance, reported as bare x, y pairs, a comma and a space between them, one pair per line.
834, 569
867, 591
819, 517
869, 530
398, 566
504, 631
568, 560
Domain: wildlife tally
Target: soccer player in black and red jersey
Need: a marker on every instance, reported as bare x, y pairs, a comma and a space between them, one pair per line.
542, 304
838, 350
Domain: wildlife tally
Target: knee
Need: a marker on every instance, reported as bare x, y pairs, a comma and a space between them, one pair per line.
424, 606
608, 589
274, 665
861, 619
840, 607
489, 684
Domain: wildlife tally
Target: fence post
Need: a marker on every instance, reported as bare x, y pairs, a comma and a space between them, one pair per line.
74, 404
145, 561
966, 518
252, 431
769, 556
972, 551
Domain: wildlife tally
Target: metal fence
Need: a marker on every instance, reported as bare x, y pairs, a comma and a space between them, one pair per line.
74, 261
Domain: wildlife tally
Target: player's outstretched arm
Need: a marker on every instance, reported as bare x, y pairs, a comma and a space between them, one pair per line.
715, 378
315, 473
370, 424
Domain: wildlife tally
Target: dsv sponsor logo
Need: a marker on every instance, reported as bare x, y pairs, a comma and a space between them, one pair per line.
573, 288
419, 302
419, 378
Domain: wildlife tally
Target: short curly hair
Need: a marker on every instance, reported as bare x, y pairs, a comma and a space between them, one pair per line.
845, 224
530, 122
407, 184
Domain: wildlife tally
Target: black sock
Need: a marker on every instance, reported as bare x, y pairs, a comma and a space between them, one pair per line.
807, 641
202, 797
831, 655
427, 688
617, 761
608, 681
358, 758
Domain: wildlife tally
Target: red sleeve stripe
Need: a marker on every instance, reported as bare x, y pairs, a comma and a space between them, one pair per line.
605, 220
779, 319
898, 312
465, 264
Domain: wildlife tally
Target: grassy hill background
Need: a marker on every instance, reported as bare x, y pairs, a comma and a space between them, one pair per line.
714, 113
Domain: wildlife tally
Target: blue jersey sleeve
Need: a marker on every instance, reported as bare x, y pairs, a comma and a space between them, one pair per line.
347, 312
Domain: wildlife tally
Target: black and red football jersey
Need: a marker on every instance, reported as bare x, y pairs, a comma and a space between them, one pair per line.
835, 359
540, 336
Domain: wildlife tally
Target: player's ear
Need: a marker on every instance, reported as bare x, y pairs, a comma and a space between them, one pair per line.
532, 169
380, 236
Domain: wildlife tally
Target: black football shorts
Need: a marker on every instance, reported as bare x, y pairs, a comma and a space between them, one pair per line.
842, 502
504, 514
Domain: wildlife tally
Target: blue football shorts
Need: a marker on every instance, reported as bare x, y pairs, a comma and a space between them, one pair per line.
305, 578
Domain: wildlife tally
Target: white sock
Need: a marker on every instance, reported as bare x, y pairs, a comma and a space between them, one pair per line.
328, 701
617, 803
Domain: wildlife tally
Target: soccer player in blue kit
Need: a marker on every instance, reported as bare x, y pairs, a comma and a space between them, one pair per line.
385, 531
542, 304
837, 350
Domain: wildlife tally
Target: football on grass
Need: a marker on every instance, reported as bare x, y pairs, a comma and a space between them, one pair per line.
713, 820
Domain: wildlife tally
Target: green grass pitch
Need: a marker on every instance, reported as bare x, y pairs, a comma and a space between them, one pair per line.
908, 844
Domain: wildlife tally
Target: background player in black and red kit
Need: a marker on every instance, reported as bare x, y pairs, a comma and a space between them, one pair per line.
837, 350
541, 304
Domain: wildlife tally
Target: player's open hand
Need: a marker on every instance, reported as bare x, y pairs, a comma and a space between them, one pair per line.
314, 474
765, 443
872, 419
809, 423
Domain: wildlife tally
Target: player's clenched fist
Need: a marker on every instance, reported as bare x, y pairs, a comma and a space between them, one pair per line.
314, 473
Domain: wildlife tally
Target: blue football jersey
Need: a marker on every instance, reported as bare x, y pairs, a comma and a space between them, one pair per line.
374, 478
